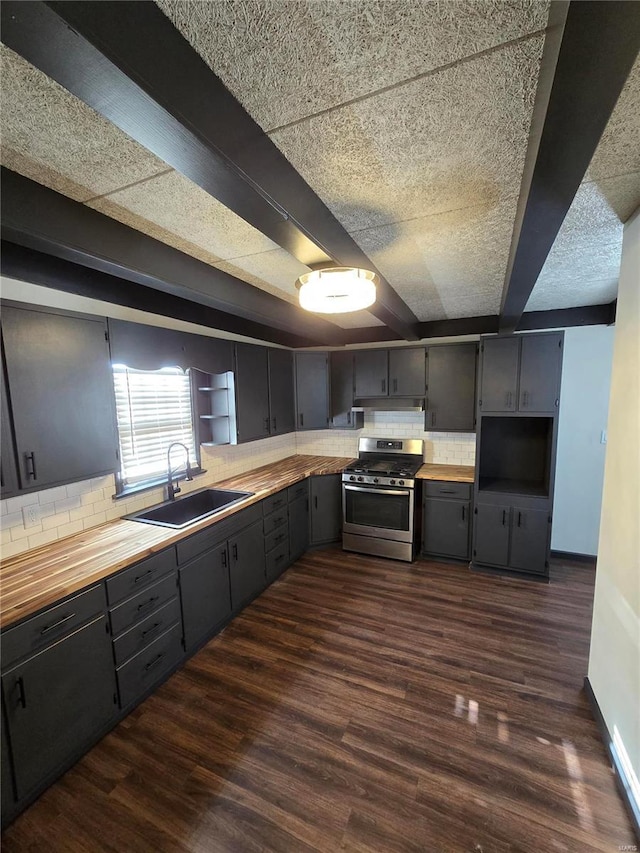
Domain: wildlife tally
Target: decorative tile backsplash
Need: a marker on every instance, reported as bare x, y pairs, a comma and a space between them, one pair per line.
29, 521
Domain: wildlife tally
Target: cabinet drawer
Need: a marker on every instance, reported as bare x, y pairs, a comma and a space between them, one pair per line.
139, 606
445, 489
274, 503
279, 535
140, 673
141, 575
277, 561
300, 490
145, 632
275, 520
41, 630
218, 532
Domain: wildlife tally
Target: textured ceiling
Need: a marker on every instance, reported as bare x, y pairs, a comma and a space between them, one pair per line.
409, 118
53, 138
584, 263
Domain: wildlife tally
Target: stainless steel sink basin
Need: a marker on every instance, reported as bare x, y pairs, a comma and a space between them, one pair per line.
191, 508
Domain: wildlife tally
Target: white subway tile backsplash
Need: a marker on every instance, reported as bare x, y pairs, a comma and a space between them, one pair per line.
66, 510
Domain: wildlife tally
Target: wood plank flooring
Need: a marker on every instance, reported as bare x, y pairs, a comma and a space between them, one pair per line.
360, 705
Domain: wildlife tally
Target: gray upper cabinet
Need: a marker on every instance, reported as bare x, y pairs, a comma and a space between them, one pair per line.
499, 380
8, 470
281, 394
521, 373
451, 383
407, 372
372, 373
61, 393
312, 390
540, 366
252, 392
341, 380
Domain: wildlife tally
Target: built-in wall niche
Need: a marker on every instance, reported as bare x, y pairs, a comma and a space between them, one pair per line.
214, 407
515, 455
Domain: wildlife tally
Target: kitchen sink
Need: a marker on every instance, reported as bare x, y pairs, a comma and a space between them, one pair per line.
191, 508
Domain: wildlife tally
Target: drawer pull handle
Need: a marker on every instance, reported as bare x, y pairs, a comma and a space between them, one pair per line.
447, 491
154, 662
22, 698
57, 624
463, 513
149, 630
148, 603
30, 466
144, 575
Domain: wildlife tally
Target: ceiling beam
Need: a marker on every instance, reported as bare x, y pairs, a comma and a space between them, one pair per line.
127, 61
42, 219
35, 267
588, 54
564, 318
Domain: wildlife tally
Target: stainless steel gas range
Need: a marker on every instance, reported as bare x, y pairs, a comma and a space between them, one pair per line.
379, 502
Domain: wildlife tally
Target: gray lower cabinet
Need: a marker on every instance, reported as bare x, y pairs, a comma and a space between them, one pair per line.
57, 701
512, 536
445, 527
247, 565
298, 527
205, 593
276, 535
325, 509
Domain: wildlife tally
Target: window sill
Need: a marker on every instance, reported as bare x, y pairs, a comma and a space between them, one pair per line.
148, 485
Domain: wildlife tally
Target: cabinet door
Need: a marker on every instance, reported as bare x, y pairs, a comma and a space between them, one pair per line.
326, 508
445, 528
491, 534
281, 398
205, 593
407, 372
62, 397
8, 470
246, 565
298, 527
312, 390
252, 392
451, 394
540, 365
6, 783
57, 701
341, 382
530, 530
499, 381
371, 373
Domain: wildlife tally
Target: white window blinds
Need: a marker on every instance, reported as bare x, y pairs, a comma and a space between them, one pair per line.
153, 409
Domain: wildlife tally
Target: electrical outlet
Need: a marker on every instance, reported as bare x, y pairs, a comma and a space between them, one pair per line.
31, 515
603, 437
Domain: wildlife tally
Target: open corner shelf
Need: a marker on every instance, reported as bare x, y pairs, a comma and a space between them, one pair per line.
215, 407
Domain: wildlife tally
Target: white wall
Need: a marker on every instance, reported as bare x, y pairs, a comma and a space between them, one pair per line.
584, 404
614, 660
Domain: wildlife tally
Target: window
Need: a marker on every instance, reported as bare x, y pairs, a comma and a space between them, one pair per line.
153, 409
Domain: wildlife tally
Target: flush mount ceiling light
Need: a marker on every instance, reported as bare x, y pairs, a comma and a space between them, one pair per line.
337, 290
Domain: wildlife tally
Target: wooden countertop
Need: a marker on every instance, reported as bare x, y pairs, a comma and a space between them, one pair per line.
41, 577
452, 473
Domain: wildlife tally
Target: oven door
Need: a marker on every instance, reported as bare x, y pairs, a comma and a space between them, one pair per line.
381, 512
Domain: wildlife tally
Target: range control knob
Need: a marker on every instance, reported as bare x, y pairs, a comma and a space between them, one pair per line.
375, 479
352, 477
401, 482
360, 479
393, 482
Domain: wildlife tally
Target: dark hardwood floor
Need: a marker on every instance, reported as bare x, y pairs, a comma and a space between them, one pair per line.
360, 705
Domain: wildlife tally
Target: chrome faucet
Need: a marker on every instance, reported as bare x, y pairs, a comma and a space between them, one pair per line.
172, 490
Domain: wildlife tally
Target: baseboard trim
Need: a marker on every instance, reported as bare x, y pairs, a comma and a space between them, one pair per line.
590, 559
620, 775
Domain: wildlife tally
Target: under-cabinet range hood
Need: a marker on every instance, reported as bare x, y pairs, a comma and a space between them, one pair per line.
389, 404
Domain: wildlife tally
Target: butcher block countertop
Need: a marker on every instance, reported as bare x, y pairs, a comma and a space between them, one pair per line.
452, 473
41, 577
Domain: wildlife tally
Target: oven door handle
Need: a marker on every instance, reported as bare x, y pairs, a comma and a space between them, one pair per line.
377, 491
